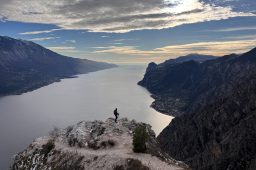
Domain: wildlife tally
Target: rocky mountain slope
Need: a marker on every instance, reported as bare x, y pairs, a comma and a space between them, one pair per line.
25, 66
190, 57
94, 145
170, 82
218, 130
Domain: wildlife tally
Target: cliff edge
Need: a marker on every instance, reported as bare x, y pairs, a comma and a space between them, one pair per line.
95, 145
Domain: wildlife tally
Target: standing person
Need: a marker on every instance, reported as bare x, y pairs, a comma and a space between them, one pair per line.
116, 114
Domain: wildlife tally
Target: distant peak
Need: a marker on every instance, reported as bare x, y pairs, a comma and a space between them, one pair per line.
151, 66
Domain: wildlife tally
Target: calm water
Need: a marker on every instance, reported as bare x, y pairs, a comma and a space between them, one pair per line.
88, 97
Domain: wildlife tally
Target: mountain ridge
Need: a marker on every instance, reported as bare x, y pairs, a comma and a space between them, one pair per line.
193, 56
217, 127
157, 78
25, 66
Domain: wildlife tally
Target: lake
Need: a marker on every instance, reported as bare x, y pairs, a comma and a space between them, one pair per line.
89, 97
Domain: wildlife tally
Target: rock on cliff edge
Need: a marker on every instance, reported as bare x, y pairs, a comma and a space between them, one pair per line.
95, 145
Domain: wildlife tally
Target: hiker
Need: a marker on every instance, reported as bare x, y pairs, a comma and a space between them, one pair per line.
116, 114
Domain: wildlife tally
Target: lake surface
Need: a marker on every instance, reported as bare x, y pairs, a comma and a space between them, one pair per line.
89, 97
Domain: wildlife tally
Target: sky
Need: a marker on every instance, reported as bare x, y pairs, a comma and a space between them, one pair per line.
132, 31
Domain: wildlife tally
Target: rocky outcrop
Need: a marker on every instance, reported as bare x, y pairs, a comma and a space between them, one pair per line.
174, 82
95, 145
220, 136
25, 66
218, 130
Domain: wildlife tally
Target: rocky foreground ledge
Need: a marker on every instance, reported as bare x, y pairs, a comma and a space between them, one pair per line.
95, 145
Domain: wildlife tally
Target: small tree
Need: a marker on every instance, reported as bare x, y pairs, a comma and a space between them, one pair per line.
140, 137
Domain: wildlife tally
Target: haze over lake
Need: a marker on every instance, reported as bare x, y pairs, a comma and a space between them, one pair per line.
91, 96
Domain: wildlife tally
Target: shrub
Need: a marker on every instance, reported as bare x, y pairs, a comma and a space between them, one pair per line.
131, 164
107, 144
93, 144
111, 143
140, 137
48, 147
72, 141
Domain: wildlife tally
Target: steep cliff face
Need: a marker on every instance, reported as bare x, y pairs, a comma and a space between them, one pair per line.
25, 66
218, 130
221, 136
95, 145
174, 83
188, 86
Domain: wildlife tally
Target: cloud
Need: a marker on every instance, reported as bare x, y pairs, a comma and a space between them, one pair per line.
244, 37
234, 29
127, 39
63, 49
120, 40
217, 48
118, 16
39, 32
43, 38
237, 5
117, 43
102, 47
70, 41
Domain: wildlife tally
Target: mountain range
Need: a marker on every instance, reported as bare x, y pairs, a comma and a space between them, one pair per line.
214, 104
25, 66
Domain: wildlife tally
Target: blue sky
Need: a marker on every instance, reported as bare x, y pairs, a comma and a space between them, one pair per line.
135, 31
